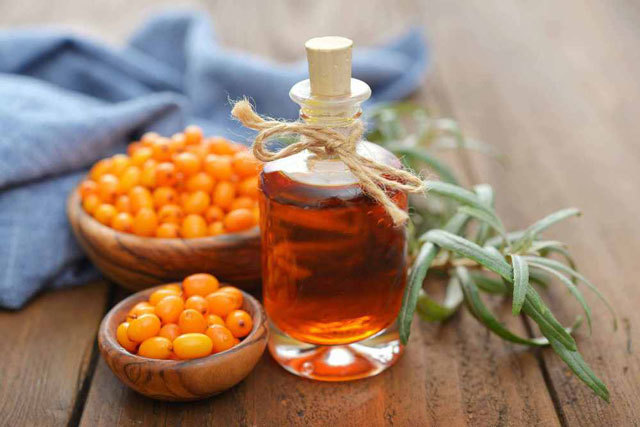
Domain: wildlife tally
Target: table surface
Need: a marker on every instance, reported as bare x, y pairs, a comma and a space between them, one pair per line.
553, 85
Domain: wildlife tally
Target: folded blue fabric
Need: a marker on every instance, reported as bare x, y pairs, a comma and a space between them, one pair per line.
68, 101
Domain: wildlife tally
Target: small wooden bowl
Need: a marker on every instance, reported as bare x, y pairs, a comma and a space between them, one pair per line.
175, 380
139, 262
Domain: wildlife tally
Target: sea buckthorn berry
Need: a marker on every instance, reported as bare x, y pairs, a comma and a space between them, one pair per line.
140, 156
174, 286
213, 214
170, 214
200, 182
242, 202
166, 174
221, 303
220, 146
155, 348
238, 220
139, 309
239, 322
145, 222
256, 214
161, 149
216, 228
223, 194
140, 198
160, 294
105, 213
129, 178
170, 331
197, 303
249, 187
100, 168
123, 203
191, 320
193, 134
200, 284
148, 175
120, 164
123, 221
168, 309
193, 226
143, 327
234, 293
123, 338
108, 186
164, 196
192, 346
214, 319
221, 338
133, 147
91, 203
196, 203
88, 186
200, 151
149, 138
178, 142
219, 167
187, 163
244, 164
168, 230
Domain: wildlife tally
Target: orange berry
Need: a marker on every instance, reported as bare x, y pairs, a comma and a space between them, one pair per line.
168, 309
140, 156
161, 149
193, 226
140, 197
239, 219
120, 164
158, 295
239, 322
220, 146
155, 348
249, 187
148, 138
191, 320
123, 203
177, 142
145, 223
193, 134
139, 309
129, 178
221, 338
200, 182
91, 203
192, 346
105, 213
174, 286
170, 331
164, 196
221, 303
214, 319
123, 221
108, 186
187, 163
213, 214
100, 168
133, 147
242, 202
143, 327
148, 174
200, 284
170, 214
236, 341
216, 228
244, 164
88, 186
256, 214
223, 194
196, 203
219, 167
123, 338
166, 174
234, 293
197, 303
168, 231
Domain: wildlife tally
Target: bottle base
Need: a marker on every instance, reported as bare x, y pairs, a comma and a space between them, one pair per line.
346, 362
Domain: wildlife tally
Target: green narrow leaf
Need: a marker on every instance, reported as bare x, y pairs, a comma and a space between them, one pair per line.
536, 228
459, 194
484, 217
498, 240
432, 311
576, 363
485, 194
444, 172
537, 310
520, 282
489, 284
539, 278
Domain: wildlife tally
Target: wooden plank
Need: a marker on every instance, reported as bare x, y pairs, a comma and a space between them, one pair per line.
47, 352
549, 84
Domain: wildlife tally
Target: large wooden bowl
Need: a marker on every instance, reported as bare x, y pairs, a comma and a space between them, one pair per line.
175, 380
140, 262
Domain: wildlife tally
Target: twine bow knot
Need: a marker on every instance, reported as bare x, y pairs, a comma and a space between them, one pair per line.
325, 142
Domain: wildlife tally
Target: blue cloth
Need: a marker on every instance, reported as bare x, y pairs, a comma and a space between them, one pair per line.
67, 101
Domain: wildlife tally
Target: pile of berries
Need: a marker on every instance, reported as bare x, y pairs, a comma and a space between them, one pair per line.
185, 186
194, 320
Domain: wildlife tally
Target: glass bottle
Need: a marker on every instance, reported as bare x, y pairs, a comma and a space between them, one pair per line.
334, 265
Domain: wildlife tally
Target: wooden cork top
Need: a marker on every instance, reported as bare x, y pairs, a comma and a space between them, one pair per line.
329, 61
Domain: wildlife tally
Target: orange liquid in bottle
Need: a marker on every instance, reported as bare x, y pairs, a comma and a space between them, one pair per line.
334, 266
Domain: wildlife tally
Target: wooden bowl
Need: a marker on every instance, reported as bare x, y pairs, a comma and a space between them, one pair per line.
176, 380
140, 262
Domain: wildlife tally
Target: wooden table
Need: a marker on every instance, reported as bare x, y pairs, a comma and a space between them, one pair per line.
553, 85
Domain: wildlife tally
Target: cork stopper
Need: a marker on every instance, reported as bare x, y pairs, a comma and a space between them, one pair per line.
329, 61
